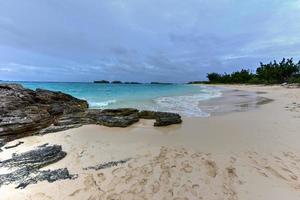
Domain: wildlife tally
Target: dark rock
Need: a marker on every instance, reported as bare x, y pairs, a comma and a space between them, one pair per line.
147, 114
37, 158
59, 101
119, 112
108, 164
161, 118
25, 112
118, 121
25, 176
13, 146
2, 143
27, 167
165, 119
121, 117
38, 176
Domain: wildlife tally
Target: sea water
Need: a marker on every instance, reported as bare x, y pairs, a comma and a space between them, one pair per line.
180, 98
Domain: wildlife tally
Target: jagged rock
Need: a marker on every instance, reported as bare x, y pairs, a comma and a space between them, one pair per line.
24, 111
58, 102
147, 114
165, 119
25, 176
27, 167
2, 143
161, 118
122, 117
120, 112
15, 145
108, 164
123, 121
37, 158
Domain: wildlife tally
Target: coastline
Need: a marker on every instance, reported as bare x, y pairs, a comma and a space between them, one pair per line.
232, 100
233, 155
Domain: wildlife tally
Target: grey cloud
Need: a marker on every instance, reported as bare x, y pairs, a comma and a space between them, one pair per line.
139, 40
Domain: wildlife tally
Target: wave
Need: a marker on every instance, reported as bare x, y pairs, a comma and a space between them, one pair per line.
101, 104
187, 106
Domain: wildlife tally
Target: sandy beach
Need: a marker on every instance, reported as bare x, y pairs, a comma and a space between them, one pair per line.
236, 154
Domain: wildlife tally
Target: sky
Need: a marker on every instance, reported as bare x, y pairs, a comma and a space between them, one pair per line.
143, 40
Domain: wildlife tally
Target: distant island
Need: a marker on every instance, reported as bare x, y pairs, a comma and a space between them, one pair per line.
116, 82
120, 82
161, 83
102, 81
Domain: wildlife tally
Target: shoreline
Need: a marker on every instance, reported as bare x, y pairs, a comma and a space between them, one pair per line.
240, 155
232, 100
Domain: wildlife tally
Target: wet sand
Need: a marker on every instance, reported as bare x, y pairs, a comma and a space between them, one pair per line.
231, 155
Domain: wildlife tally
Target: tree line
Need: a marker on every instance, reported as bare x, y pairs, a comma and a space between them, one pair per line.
274, 72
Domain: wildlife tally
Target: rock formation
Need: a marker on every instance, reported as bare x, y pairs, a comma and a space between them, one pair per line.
161, 118
26, 112
27, 167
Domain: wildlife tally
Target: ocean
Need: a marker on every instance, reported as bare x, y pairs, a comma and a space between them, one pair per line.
180, 98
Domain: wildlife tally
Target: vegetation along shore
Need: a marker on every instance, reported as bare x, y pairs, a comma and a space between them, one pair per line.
285, 71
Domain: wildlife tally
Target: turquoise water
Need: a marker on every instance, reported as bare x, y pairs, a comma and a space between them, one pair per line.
179, 98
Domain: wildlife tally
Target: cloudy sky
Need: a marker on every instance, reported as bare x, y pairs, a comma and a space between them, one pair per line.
142, 40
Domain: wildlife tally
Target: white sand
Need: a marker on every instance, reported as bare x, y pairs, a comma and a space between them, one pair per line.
241, 155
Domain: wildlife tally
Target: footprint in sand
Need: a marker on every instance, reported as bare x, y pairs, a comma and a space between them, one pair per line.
212, 168
186, 167
75, 192
177, 182
41, 196
101, 177
284, 168
155, 187
165, 176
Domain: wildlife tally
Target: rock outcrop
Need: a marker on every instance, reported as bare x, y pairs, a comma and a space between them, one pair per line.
108, 164
166, 119
27, 167
122, 117
161, 118
26, 112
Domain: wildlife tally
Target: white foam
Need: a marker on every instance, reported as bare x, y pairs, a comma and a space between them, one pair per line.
102, 103
187, 105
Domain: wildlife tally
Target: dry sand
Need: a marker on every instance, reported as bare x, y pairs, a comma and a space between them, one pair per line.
238, 155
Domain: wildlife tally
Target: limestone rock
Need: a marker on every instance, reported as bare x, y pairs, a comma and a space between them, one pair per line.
161, 118
24, 111
166, 119
27, 167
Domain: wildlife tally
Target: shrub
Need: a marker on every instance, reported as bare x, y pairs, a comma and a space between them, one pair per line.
271, 73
